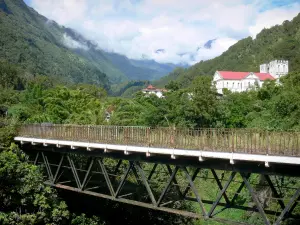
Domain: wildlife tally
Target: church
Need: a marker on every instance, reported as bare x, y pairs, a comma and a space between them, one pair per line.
243, 81
153, 90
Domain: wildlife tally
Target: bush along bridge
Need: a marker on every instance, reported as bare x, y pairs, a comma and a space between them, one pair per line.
200, 173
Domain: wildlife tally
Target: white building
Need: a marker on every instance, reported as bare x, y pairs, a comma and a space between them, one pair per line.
153, 90
276, 68
243, 81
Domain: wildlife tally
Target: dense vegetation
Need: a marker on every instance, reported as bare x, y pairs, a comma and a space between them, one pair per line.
43, 47
33, 42
29, 95
30, 99
41, 99
278, 42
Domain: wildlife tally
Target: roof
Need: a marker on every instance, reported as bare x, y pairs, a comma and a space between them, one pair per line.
230, 75
264, 76
152, 88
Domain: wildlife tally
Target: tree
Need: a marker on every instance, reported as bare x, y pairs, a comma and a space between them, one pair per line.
204, 98
24, 197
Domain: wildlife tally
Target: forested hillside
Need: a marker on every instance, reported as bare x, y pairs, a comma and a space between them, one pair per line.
37, 99
278, 42
44, 81
118, 67
31, 41
43, 47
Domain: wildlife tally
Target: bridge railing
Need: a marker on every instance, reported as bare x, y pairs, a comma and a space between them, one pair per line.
222, 140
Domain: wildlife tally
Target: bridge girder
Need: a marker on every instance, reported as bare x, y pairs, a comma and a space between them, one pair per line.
61, 164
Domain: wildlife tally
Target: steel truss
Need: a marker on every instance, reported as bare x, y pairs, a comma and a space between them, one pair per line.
59, 166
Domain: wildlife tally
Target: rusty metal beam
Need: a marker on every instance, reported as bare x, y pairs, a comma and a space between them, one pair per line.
140, 175
123, 180
135, 173
152, 171
58, 169
238, 191
193, 179
149, 205
288, 207
220, 185
116, 170
167, 186
84, 182
106, 177
36, 158
46, 163
193, 187
175, 182
255, 199
281, 203
74, 171
221, 193
146, 184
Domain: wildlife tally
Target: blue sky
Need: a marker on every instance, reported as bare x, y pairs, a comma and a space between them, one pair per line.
139, 28
27, 2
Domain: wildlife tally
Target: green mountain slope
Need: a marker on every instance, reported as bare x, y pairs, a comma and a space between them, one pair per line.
33, 42
94, 55
278, 42
159, 68
43, 47
118, 67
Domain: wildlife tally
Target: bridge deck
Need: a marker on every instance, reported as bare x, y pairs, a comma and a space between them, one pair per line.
231, 144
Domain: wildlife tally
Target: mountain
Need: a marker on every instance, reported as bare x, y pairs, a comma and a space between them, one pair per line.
35, 43
161, 69
42, 46
279, 42
127, 69
209, 43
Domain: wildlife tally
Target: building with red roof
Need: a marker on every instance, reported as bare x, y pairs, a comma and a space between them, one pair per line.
243, 81
153, 90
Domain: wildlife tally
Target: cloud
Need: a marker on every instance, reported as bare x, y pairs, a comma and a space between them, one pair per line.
71, 43
139, 28
273, 17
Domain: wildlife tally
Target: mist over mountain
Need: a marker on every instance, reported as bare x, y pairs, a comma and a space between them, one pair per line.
44, 47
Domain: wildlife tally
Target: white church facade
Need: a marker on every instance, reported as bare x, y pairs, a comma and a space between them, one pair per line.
243, 81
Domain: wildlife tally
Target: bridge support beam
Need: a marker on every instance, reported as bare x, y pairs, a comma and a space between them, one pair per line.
65, 170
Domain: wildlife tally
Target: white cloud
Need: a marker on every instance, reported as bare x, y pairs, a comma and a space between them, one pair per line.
71, 43
62, 11
273, 17
140, 27
218, 47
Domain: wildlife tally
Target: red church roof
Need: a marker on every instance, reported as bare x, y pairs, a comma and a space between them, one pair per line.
150, 87
230, 75
264, 76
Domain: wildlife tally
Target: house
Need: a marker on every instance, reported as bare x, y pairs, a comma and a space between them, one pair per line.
108, 112
243, 81
153, 90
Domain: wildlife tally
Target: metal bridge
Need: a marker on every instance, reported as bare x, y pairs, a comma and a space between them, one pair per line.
125, 164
